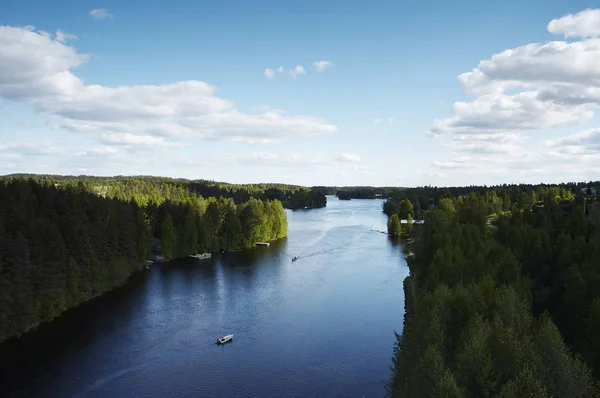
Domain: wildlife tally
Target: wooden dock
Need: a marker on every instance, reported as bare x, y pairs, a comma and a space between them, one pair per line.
263, 244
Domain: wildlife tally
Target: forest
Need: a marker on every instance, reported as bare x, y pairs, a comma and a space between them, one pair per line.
503, 296
498, 198
62, 243
146, 189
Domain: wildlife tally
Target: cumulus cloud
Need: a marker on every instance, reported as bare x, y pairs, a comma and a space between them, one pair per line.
537, 86
298, 70
100, 13
583, 24
537, 66
269, 73
322, 66
38, 70
499, 112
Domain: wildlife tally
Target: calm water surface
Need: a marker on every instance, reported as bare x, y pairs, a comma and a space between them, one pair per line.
321, 326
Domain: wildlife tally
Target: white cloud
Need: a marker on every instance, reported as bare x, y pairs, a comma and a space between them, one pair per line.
535, 87
537, 66
274, 159
499, 112
100, 13
349, 157
322, 66
485, 144
269, 73
452, 164
281, 70
135, 140
100, 152
583, 24
62, 36
584, 142
30, 149
379, 120
37, 70
298, 70
298, 168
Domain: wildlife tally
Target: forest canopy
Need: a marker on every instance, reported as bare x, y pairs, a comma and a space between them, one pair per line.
503, 296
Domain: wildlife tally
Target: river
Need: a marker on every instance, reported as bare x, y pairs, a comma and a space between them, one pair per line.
321, 326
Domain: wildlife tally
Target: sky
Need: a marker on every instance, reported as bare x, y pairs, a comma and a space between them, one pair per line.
328, 92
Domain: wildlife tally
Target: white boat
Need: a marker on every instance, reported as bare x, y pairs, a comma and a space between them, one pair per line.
225, 339
202, 256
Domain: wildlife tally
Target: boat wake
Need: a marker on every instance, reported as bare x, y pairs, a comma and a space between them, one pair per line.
105, 380
346, 247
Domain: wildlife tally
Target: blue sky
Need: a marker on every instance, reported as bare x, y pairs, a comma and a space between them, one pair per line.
180, 89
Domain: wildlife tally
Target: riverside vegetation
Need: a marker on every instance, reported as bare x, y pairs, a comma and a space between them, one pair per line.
503, 298
64, 240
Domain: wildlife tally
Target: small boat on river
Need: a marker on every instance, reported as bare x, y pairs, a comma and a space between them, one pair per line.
225, 339
202, 256
294, 259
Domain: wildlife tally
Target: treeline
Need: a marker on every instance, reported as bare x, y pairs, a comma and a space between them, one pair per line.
147, 189
347, 193
61, 244
502, 198
498, 198
507, 309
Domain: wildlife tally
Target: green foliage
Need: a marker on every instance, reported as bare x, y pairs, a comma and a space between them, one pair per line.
59, 248
500, 198
478, 297
146, 190
409, 224
405, 209
63, 244
168, 237
394, 226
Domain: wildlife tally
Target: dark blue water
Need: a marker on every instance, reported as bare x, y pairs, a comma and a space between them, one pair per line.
321, 326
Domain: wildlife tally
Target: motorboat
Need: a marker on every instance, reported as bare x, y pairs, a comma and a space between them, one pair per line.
294, 259
225, 339
202, 256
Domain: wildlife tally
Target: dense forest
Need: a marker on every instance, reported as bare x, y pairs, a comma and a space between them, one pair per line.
146, 189
503, 297
498, 198
62, 243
